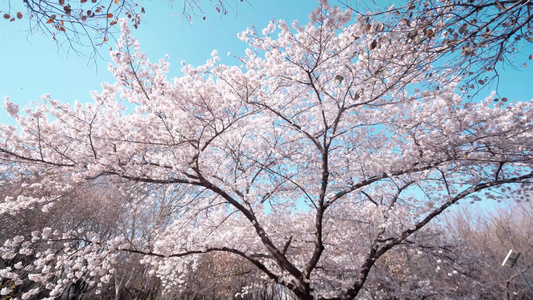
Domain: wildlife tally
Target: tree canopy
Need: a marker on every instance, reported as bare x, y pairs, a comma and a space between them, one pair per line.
332, 145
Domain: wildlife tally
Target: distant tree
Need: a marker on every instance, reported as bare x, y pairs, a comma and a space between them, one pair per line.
485, 239
317, 160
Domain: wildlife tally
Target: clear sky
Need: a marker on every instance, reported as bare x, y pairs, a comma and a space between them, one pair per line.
32, 65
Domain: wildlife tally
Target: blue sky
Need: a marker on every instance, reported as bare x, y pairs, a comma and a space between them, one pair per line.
33, 65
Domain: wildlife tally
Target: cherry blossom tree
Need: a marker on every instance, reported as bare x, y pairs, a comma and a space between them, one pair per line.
89, 207
329, 146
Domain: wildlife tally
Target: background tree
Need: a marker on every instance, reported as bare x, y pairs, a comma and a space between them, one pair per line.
485, 239
327, 150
